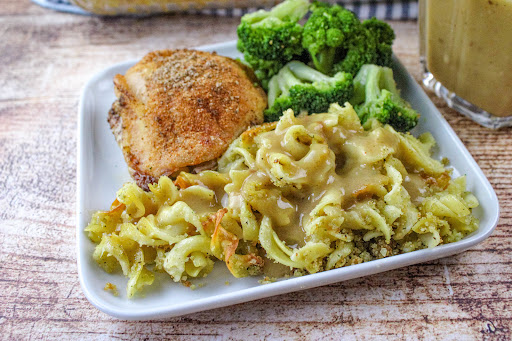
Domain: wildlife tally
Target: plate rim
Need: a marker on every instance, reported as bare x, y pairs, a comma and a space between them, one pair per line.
282, 286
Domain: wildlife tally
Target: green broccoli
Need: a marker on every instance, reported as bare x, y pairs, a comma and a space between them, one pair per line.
302, 88
384, 37
338, 41
270, 39
327, 34
377, 98
263, 69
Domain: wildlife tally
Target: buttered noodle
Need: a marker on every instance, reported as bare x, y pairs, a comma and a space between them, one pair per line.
302, 195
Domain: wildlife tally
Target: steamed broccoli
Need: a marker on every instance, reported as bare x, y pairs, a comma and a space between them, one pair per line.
327, 34
303, 88
263, 69
384, 37
338, 41
377, 98
270, 39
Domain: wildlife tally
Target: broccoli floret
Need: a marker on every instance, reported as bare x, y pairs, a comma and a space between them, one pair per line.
338, 41
263, 69
270, 39
377, 98
384, 37
274, 34
371, 46
302, 88
328, 33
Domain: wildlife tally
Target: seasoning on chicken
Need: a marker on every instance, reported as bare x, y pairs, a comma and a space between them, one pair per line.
177, 109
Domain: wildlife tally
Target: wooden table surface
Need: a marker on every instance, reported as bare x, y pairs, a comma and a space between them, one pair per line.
46, 58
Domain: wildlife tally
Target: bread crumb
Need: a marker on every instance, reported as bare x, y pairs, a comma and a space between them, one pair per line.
267, 280
112, 288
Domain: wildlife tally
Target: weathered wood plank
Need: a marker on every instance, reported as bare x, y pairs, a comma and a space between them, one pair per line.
47, 57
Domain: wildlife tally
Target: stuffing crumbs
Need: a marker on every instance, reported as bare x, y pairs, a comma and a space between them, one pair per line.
188, 284
112, 288
267, 280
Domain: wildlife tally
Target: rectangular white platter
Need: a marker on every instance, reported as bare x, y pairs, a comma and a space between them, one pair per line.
102, 171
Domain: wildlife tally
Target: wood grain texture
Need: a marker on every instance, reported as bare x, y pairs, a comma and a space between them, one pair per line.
45, 59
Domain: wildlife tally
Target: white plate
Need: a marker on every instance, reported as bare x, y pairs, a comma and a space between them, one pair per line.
102, 171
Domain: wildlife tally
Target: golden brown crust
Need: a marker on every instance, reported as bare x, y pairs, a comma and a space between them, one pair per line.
179, 108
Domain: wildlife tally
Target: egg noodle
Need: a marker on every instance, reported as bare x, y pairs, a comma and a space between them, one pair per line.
294, 197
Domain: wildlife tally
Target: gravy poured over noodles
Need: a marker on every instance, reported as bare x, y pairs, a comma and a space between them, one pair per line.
302, 195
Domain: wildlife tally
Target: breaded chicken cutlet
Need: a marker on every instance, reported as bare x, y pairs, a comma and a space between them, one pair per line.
181, 108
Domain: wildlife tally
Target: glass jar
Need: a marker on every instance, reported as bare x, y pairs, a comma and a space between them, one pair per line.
466, 54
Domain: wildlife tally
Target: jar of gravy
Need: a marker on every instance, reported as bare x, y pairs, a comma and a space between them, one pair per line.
466, 53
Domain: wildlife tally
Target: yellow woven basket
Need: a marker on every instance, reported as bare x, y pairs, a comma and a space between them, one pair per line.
121, 7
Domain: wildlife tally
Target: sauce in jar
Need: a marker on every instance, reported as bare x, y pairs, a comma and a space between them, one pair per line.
469, 50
